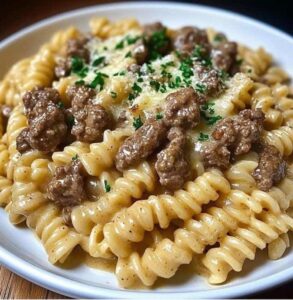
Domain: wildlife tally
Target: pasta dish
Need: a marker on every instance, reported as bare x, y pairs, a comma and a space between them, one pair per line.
149, 147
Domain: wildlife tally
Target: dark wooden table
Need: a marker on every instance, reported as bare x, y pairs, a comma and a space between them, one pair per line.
16, 15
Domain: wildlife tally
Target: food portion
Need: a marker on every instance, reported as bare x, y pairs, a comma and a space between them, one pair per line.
146, 145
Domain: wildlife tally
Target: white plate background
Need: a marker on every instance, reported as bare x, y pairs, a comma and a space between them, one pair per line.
23, 254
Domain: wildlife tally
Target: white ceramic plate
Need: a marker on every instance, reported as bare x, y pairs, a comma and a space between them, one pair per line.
24, 255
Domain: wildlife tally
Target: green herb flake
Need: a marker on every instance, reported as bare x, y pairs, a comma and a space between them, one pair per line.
139, 79
203, 137
76, 64
98, 81
75, 157
79, 82
120, 45
201, 88
113, 94
121, 73
98, 61
198, 51
60, 105
132, 40
158, 40
185, 68
223, 75
239, 61
213, 119
105, 48
163, 88
150, 69
218, 38
208, 105
128, 54
137, 122
107, 186
159, 116
155, 85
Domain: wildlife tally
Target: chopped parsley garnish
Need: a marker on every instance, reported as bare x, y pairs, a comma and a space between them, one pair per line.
107, 186
137, 123
198, 51
75, 157
113, 94
98, 81
223, 75
121, 73
249, 70
185, 68
60, 105
203, 137
158, 41
105, 48
239, 61
155, 85
175, 84
218, 38
79, 82
70, 120
132, 40
139, 79
98, 61
213, 119
128, 54
149, 68
201, 88
78, 67
208, 106
163, 88
136, 90
200, 55
120, 45
159, 116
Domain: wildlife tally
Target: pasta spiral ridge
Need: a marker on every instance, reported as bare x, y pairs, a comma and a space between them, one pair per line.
130, 224
205, 229
132, 185
242, 244
101, 155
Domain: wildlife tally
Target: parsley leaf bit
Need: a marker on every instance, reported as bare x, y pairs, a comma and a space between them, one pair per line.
137, 122
203, 137
75, 157
107, 186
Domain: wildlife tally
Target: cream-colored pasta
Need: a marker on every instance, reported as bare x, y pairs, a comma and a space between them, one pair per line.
132, 185
262, 98
104, 28
277, 248
130, 224
61, 86
101, 155
165, 259
235, 248
274, 75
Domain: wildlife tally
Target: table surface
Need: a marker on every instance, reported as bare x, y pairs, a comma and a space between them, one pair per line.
26, 12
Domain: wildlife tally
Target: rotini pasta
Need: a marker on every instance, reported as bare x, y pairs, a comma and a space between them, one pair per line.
147, 149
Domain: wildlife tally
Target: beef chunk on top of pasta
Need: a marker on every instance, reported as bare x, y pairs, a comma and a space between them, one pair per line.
182, 108
271, 167
232, 137
47, 125
141, 144
91, 119
224, 56
66, 188
171, 164
187, 38
74, 48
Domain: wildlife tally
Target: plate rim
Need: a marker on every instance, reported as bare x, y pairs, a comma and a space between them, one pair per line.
74, 288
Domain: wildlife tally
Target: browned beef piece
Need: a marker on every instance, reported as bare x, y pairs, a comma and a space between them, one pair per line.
141, 144
91, 120
66, 188
171, 164
90, 123
47, 123
22, 141
36, 95
271, 168
75, 48
80, 96
240, 132
187, 38
140, 52
233, 136
224, 56
210, 79
215, 154
151, 42
182, 108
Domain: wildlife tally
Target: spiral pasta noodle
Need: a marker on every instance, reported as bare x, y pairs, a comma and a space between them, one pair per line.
242, 244
101, 155
167, 256
132, 185
130, 224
